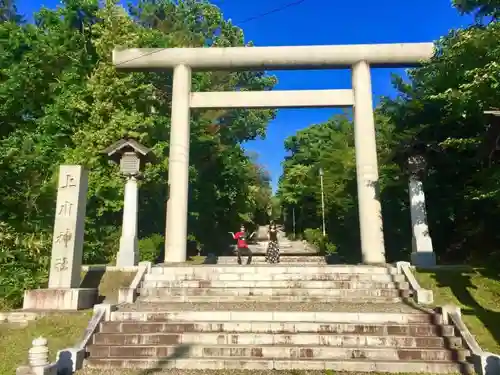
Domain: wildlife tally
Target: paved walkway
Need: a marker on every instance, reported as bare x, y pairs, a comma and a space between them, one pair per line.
287, 247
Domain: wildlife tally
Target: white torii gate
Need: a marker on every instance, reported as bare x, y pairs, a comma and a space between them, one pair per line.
359, 58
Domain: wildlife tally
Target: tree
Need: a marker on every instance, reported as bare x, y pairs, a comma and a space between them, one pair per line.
442, 106
480, 8
62, 101
8, 12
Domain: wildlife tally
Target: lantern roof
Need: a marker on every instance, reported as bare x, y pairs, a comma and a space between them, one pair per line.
117, 149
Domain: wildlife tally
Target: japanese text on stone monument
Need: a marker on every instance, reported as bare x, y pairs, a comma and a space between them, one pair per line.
67, 244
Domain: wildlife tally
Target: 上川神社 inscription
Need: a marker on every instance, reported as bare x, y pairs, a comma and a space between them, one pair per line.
67, 245
64, 292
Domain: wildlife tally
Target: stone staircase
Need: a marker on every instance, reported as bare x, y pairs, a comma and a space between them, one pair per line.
284, 259
277, 317
287, 246
291, 252
286, 283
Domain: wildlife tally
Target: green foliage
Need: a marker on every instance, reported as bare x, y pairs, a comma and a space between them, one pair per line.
442, 106
480, 8
23, 263
62, 102
316, 238
8, 12
151, 247
329, 146
275, 209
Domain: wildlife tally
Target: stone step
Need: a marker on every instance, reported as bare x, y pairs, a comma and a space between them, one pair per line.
288, 253
282, 299
234, 277
268, 294
285, 246
249, 338
278, 351
210, 277
275, 284
243, 364
231, 292
262, 275
262, 327
293, 307
284, 259
207, 269
164, 314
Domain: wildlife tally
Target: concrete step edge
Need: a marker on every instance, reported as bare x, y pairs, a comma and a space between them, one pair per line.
276, 328
250, 352
264, 299
283, 316
233, 323
273, 334
298, 292
276, 268
242, 364
250, 286
279, 268
274, 277
276, 290
289, 346
297, 341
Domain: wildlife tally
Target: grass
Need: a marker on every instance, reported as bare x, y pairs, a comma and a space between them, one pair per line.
61, 331
197, 259
108, 283
477, 292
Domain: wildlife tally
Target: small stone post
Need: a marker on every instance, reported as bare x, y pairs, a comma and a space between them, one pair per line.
38, 358
423, 253
64, 292
129, 154
38, 355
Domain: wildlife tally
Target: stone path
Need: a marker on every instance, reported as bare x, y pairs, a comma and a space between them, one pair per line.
287, 247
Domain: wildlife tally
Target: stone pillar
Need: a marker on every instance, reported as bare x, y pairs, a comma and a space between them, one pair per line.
63, 292
178, 167
423, 253
69, 227
370, 215
128, 254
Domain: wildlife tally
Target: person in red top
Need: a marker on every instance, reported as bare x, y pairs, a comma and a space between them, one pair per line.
242, 245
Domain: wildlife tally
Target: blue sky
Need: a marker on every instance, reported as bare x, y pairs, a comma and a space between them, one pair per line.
320, 22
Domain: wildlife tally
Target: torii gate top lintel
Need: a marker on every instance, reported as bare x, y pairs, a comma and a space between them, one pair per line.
274, 58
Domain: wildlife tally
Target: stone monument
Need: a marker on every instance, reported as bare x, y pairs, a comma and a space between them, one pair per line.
131, 155
64, 292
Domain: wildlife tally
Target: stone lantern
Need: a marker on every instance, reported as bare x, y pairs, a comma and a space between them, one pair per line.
131, 156
416, 163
